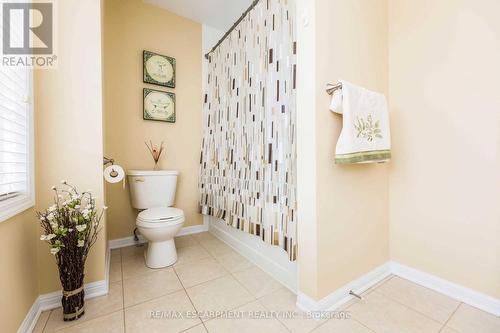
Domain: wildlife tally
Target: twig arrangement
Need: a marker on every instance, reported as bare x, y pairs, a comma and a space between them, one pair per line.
155, 151
71, 227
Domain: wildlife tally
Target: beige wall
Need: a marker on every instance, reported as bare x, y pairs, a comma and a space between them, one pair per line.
18, 269
129, 28
350, 234
352, 205
68, 125
65, 98
445, 173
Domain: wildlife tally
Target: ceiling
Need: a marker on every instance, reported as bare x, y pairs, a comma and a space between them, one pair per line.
220, 14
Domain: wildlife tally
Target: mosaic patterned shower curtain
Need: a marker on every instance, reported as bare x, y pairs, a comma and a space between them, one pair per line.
247, 173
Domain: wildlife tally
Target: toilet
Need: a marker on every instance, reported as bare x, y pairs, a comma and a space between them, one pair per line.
153, 193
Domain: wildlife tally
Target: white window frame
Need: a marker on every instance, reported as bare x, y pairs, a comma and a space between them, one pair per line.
19, 204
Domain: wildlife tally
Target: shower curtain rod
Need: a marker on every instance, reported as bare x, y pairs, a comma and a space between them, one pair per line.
232, 28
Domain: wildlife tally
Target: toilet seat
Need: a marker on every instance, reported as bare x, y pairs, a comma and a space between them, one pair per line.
160, 216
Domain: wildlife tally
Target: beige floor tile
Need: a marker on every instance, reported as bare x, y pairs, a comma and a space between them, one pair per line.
115, 271
94, 307
468, 319
234, 262
196, 329
203, 236
257, 281
191, 253
199, 271
131, 251
428, 302
342, 326
115, 256
112, 323
383, 315
40, 323
378, 284
153, 316
283, 303
183, 241
216, 247
221, 294
252, 321
146, 287
135, 266
448, 330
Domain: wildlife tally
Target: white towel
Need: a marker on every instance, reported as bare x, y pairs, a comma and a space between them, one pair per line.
365, 136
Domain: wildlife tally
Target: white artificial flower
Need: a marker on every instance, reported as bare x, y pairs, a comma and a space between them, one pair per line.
54, 250
54, 225
85, 213
47, 237
81, 227
70, 230
50, 217
81, 243
77, 206
52, 208
42, 218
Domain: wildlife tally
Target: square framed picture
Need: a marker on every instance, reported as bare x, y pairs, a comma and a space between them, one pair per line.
158, 105
159, 69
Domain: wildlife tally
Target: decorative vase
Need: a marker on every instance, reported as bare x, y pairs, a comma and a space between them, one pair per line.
71, 227
73, 303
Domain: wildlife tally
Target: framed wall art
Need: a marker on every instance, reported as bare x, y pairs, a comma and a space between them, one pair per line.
158, 105
159, 69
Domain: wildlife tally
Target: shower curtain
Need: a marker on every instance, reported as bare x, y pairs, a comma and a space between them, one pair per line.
248, 156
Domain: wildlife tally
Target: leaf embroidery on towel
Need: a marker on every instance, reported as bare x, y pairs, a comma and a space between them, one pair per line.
367, 129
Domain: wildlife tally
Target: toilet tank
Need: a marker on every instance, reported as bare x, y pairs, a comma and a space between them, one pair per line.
150, 189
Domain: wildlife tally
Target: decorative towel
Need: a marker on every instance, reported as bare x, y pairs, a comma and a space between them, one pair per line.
365, 136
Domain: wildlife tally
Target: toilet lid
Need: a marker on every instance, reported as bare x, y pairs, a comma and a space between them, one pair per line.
160, 214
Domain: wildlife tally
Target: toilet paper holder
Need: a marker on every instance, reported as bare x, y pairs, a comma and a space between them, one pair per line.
106, 161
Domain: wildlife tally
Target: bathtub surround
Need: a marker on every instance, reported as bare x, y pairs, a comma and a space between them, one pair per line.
247, 164
154, 29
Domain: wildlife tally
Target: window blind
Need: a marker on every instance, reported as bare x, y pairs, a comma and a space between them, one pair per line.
14, 124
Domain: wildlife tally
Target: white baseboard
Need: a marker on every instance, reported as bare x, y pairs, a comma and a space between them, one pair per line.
195, 229
450, 289
129, 241
270, 259
341, 296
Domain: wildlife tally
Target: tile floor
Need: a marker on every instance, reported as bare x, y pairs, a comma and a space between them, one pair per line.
209, 276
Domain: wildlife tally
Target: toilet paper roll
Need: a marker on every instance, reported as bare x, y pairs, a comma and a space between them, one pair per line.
114, 174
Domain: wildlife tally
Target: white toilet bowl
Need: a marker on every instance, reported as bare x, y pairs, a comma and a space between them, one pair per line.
159, 225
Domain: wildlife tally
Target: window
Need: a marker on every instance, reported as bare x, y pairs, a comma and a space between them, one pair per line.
16, 141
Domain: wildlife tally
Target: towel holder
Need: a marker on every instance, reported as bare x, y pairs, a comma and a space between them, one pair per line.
331, 88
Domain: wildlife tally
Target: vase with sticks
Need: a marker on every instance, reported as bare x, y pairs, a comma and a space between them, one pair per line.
70, 227
156, 152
